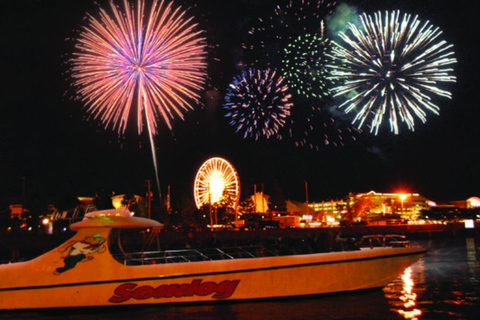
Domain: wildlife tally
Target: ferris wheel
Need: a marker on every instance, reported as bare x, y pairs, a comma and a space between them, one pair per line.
215, 179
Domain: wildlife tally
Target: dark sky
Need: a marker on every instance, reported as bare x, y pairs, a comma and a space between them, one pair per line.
47, 137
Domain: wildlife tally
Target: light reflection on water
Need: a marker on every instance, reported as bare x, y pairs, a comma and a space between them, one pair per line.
444, 284
401, 295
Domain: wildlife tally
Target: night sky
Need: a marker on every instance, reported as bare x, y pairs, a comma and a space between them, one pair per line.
47, 137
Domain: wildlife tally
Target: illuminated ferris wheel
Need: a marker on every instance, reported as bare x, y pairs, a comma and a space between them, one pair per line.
215, 179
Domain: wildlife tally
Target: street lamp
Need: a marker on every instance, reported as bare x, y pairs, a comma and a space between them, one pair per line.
402, 199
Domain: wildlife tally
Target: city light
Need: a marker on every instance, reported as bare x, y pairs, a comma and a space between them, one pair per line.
216, 186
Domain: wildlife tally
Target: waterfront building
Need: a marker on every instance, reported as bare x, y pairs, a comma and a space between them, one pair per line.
16, 211
332, 210
407, 205
371, 206
470, 203
260, 201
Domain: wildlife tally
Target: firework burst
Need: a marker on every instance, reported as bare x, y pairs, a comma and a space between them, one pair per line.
391, 66
317, 125
258, 104
304, 65
293, 41
132, 62
270, 36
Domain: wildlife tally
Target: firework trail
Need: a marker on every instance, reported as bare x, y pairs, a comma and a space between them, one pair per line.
391, 66
258, 104
135, 63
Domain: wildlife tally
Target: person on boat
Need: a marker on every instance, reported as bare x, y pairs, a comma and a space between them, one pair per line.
330, 240
79, 251
320, 242
341, 242
215, 241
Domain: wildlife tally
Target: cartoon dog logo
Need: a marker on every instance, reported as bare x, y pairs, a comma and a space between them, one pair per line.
81, 251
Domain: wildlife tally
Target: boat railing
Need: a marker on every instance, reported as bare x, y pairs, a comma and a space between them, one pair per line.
138, 256
381, 240
193, 255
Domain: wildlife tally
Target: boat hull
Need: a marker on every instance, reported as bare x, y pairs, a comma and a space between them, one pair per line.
207, 281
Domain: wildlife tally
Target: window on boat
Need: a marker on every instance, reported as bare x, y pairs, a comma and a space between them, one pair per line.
130, 246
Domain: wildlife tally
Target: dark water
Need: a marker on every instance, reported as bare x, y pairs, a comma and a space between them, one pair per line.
442, 285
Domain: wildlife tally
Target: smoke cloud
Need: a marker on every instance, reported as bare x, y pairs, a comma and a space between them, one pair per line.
340, 18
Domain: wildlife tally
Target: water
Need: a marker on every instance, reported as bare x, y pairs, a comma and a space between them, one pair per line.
444, 284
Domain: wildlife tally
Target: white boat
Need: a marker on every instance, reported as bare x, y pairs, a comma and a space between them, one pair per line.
103, 265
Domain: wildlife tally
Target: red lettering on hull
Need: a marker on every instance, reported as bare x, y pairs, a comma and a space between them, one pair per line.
222, 290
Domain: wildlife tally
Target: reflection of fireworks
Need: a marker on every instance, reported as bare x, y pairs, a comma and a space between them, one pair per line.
258, 103
304, 65
129, 59
391, 67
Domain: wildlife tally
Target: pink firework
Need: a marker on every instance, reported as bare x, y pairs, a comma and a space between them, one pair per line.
154, 63
133, 61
